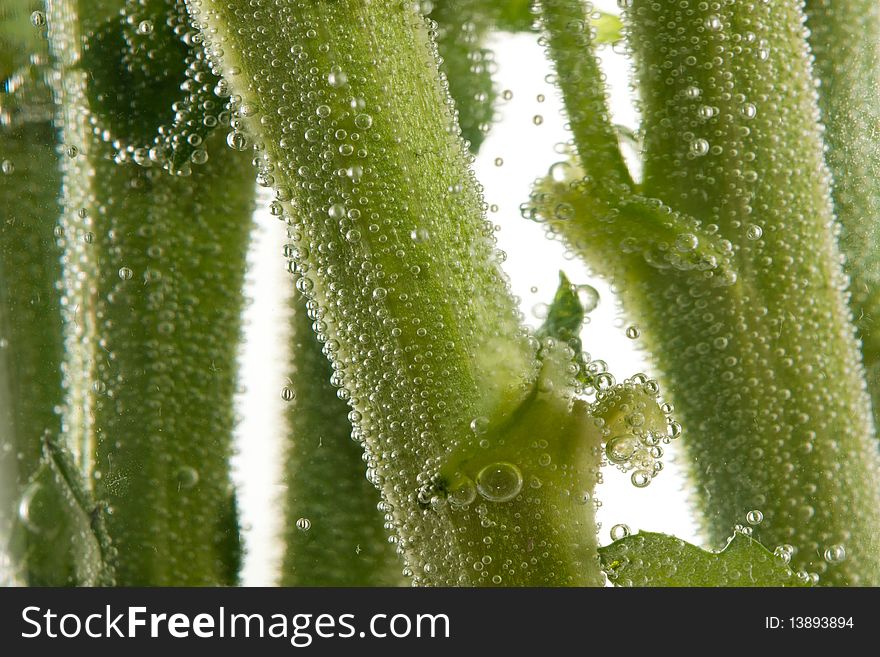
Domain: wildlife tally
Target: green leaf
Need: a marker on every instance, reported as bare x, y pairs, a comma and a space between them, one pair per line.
60, 530
566, 314
651, 559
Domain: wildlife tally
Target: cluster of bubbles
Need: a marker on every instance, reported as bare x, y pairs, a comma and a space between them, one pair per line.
636, 424
153, 95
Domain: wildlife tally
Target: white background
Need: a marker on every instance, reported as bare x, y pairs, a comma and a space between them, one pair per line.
527, 151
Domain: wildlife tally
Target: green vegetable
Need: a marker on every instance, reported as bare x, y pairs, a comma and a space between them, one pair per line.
434, 438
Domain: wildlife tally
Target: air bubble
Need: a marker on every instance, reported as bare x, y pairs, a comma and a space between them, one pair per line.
588, 297
619, 531
480, 425
38, 19
420, 235
784, 552
464, 492
125, 273
754, 517
499, 482
304, 524
686, 242
620, 449
237, 141
835, 554
699, 147
287, 394
337, 79
187, 477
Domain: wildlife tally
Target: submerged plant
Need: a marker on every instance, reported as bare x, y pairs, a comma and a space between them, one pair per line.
433, 436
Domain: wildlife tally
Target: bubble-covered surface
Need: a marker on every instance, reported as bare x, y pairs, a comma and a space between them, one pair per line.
334, 533
754, 340
387, 231
845, 40
153, 266
650, 559
30, 330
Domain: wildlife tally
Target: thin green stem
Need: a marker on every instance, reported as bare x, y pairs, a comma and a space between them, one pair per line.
462, 31
333, 532
569, 39
354, 131
35, 508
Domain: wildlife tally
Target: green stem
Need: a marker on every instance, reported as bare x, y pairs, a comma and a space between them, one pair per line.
333, 532
762, 363
463, 28
845, 39
153, 273
33, 514
568, 30
354, 130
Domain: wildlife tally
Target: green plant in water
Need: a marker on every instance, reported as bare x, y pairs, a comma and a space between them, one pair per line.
413, 372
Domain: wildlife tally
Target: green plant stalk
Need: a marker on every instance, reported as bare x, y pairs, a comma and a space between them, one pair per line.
569, 38
755, 341
333, 530
30, 320
153, 273
355, 133
845, 40
463, 28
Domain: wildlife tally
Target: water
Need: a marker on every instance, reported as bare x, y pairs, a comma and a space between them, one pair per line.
160, 221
